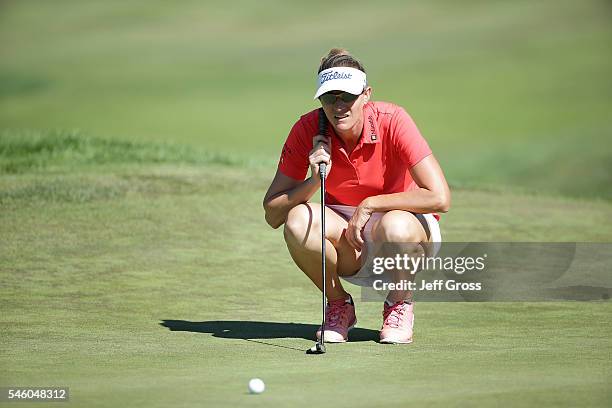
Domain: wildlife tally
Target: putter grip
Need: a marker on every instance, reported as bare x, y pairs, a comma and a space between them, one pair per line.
322, 122
323, 132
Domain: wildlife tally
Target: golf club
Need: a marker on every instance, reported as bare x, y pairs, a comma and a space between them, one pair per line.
319, 347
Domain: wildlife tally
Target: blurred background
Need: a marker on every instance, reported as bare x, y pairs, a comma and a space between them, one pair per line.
508, 94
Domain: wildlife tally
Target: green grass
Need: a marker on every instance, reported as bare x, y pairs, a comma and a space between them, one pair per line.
512, 93
135, 264
37, 151
145, 283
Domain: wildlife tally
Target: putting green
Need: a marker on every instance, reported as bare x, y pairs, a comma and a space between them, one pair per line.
143, 284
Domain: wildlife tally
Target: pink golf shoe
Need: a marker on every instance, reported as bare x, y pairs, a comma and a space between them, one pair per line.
339, 319
398, 320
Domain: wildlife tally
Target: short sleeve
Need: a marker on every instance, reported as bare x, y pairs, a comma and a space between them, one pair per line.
294, 157
410, 145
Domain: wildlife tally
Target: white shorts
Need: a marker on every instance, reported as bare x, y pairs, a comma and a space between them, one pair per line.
346, 212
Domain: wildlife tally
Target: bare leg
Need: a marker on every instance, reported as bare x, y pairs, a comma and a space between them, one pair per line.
400, 227
303, 237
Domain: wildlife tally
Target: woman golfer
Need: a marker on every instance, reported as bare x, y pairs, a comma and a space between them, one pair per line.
383, 185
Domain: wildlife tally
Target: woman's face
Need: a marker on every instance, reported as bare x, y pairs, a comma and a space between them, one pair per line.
346, 116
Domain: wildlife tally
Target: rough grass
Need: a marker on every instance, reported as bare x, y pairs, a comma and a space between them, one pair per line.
22, 151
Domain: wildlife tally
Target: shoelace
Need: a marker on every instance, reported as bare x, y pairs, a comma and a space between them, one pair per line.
335, 312
392, 315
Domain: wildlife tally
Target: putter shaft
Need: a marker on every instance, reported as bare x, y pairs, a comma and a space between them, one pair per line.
322, 170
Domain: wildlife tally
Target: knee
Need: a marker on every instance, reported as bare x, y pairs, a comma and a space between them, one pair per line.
300, 222
396, 226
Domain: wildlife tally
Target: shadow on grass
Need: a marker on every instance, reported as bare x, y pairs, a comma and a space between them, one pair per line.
237, 329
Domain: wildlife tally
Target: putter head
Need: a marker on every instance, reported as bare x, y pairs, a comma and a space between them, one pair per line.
318, 348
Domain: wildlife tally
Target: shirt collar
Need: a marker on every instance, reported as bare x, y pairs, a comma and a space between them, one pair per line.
370, 133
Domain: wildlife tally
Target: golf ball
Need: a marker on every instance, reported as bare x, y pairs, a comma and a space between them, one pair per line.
256, 386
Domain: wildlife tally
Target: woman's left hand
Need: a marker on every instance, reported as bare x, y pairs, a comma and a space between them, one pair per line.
354, 231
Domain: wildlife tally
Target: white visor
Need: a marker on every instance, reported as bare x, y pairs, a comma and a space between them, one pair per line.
345, 79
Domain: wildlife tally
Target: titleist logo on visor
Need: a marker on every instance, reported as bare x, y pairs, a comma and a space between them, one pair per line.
335, 75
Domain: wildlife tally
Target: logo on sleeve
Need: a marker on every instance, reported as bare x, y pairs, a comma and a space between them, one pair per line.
373, 136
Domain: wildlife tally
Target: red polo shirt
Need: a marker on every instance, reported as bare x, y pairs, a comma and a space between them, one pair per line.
390, 144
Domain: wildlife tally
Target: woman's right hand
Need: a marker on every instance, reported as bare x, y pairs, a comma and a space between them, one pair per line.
320, 153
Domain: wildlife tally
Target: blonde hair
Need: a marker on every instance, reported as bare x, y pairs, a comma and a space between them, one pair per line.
339, 57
